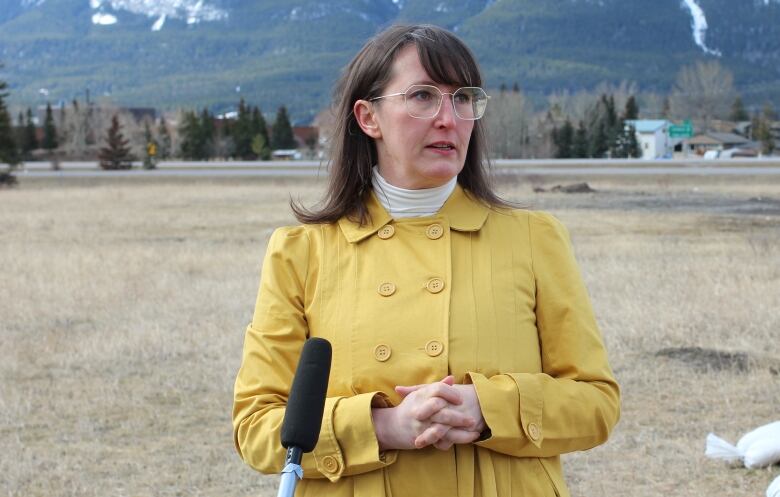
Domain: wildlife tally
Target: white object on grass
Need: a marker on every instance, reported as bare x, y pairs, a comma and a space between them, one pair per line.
757, 449
774, 488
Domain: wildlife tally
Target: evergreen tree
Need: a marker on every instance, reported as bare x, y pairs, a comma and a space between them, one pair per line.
633, 149
281, 133
564, 141
632, 109
193, 144
9, 153
580, 145
599, 140
611, 113
116, 153
241, 132
260, 141
515, 88
738, 112
25, 140
626, 144
164, 140
208, 133
50, 141
30, 136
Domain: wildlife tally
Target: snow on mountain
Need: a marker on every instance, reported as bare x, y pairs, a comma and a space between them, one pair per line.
102, 19
699, 26
193, 11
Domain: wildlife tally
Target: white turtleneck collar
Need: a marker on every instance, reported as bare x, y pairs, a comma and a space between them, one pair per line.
400, 202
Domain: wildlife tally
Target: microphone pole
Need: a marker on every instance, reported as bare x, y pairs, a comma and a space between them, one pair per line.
303, 415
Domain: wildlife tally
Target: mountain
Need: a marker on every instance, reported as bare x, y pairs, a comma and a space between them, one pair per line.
187, 53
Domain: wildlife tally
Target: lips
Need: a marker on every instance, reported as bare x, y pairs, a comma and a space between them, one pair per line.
442, 145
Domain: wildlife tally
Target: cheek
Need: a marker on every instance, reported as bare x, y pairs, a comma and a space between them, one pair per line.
467, 133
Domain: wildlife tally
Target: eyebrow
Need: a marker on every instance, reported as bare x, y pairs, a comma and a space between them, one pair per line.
425, 82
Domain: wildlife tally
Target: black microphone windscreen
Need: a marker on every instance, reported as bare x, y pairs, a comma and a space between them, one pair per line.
303, 416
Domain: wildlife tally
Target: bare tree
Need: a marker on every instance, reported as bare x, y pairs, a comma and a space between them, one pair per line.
507, 121
703, 92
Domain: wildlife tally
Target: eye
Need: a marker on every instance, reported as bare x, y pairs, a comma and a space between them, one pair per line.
462, 98
421, 95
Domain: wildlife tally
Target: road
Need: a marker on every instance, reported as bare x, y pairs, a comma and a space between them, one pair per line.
574, 167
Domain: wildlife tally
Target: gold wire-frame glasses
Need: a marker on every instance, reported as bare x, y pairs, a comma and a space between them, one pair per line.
424, 101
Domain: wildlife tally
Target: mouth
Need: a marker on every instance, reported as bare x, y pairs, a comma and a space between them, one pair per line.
442, 146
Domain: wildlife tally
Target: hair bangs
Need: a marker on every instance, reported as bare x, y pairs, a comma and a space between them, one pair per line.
446, 59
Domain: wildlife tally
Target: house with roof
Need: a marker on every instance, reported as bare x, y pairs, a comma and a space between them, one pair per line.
717, 143
653, 137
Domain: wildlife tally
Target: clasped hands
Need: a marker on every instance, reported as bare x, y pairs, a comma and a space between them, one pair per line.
440, 414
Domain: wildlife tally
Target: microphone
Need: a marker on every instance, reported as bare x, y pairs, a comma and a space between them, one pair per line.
303, 416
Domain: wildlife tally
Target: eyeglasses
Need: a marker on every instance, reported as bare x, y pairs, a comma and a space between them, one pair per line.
424, 101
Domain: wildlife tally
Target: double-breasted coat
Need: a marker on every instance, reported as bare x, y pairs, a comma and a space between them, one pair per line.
491, 296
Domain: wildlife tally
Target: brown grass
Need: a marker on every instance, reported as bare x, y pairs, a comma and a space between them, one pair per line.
125, 301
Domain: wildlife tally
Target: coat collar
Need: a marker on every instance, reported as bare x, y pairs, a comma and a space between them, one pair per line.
464, 213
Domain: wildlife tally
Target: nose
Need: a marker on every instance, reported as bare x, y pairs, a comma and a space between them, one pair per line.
446, 117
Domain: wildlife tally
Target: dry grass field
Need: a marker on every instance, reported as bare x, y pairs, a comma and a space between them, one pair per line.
124, 303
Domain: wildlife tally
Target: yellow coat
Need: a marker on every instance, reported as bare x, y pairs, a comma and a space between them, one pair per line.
493, 297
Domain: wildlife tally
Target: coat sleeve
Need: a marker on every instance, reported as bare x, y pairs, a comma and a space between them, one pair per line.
273, 342
574, 403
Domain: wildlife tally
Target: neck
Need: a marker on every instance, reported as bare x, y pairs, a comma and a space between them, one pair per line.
400, 202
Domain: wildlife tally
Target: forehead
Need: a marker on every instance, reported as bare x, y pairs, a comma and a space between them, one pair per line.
407, 70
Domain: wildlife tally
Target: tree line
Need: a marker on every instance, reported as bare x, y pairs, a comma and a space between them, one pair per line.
606, 135
89, 130
586, 123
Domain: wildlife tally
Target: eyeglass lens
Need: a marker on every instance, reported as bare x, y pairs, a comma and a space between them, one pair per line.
424, 101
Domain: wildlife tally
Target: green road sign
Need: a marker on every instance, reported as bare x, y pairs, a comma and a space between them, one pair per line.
684, 130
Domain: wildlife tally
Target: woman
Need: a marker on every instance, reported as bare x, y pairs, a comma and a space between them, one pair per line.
466, 357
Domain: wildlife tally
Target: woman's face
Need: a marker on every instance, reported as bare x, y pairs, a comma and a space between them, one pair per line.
414, 153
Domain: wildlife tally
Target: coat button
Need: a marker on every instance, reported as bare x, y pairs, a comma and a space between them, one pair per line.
434, 348
533, 431
385, 232
435, 285
330, 464
382, 352
434, 231
386, 289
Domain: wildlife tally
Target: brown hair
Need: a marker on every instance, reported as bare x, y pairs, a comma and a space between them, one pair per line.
447, 60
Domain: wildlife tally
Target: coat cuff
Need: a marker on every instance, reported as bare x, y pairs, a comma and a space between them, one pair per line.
348, 443
512, 408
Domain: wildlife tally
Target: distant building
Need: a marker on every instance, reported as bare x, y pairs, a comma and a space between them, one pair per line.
290, 154
717, 143
745, 128
306, 136
653, 137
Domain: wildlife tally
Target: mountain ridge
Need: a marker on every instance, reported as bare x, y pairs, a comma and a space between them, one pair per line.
187, 53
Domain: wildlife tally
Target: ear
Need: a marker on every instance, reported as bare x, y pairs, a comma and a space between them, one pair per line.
364, 112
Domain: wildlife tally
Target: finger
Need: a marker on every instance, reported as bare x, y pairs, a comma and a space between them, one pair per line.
459, 436
403, 391
449, 380
451, 417
446, 392
431, 435
443, 444
429, 408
